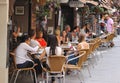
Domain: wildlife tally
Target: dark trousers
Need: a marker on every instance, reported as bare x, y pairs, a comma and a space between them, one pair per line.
38, 68
74, 62
27, 64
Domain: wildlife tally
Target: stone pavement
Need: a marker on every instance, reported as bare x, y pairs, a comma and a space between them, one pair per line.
107, 69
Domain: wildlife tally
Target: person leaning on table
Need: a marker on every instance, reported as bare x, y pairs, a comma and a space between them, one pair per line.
22, 58
33, 41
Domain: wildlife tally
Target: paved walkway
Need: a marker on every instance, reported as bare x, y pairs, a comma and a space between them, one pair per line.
107, 69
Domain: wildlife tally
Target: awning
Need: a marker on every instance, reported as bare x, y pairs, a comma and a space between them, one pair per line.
104, 1
83, 1
64, 1
105, 6
92, 2
76, 4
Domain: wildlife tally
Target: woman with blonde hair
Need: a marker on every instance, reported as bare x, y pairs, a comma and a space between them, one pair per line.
57, 34
82, 42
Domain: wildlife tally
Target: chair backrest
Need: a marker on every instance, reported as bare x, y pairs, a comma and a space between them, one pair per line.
91, 47
97, 43
85, 56
81, 59
112, 35
108, 38
14, 59
56, 63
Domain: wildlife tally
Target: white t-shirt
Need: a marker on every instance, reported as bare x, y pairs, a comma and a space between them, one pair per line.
58, 51
34, 43
21, 53
82, 31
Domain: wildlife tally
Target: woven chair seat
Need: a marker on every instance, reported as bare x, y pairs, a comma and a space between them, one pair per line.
69, 66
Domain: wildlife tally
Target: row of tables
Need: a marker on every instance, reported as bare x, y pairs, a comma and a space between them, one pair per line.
70, 46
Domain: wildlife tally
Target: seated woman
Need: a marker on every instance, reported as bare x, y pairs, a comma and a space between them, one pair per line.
40, 39
22, 58
82, 42
74, 35
82, 45
53, 49
59, 38
85, 30
64, 37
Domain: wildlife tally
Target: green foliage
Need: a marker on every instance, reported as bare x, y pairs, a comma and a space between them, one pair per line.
97, 9
44, 10
83, 10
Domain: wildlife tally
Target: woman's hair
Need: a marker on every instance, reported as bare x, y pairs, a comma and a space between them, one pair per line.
24, 38
86, 27
32, 33
53, 43
75, 27
38, 34
57, 32
81, 37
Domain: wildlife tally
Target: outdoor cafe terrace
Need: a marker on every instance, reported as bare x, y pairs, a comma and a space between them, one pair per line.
101, 66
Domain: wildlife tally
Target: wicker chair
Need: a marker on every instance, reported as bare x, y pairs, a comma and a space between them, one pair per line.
78, 66
86, 62
92, 53
56, 64
106, 40
17, 70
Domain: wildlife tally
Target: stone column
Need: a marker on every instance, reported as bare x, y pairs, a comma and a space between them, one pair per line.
3, 40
